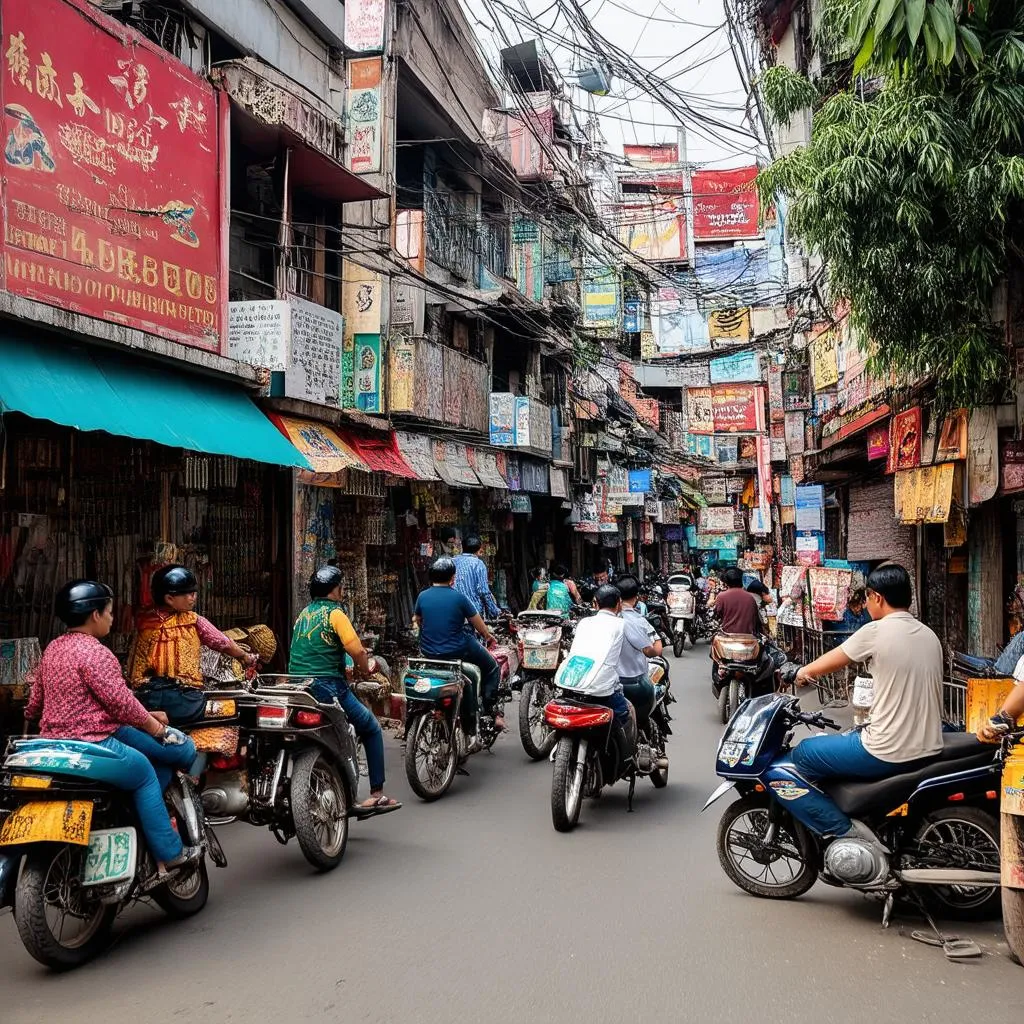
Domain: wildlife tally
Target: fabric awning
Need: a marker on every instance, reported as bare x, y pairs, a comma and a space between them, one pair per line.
418, 453
485, 465
381, 454
115, 392
327, 453
451, 461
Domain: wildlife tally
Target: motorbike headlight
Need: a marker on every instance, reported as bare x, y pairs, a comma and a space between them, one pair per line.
541, 637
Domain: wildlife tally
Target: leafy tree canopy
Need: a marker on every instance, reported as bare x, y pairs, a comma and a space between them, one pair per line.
910, 187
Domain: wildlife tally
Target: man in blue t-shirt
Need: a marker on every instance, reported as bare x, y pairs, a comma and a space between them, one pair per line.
442, 613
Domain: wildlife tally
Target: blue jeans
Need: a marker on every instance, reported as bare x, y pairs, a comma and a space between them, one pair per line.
834, 757
145, 768
325, 689
490, 675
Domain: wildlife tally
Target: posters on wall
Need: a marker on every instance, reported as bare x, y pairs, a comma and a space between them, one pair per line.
402, 375
502, 426
258, 333
1012, 466
795, 391
655, 230
314, 364
364, 25
776, 408
112, 175
700, 414
713, 488
729, 325
369, 396
364, 109
600, 288
737, 408
717, 519
878, 441
905, 440
810, 508
736, 368
794, 426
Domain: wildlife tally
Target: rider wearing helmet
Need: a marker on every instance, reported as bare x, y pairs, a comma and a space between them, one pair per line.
79, 693
170, 635
322, 635
442, 613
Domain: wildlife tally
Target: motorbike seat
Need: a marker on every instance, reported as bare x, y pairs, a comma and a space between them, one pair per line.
856, 797
56, 756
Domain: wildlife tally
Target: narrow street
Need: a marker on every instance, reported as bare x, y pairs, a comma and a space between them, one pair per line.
476, 909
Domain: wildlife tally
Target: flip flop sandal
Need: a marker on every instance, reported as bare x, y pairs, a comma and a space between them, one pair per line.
385, 805
954, 947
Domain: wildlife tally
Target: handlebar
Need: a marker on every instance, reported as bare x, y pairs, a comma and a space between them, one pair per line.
818, 720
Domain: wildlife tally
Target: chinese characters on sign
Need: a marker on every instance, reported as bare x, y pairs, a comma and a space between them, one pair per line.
112, 183
365, 119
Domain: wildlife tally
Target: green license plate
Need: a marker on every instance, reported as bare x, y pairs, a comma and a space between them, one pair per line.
111, 856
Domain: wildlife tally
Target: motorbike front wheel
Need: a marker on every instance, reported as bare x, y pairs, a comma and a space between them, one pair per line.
779, 869
723, 704
319, 809
538, 737
737, 695
678, 644
59, 922
430, 757
567, 782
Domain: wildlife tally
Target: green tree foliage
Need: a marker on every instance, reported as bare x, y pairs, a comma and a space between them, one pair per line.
911, 190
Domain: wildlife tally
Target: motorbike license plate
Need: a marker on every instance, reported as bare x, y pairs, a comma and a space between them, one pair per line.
51, 821
111, 856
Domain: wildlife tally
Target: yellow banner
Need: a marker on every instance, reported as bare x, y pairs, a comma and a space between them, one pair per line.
49, 821
824, 361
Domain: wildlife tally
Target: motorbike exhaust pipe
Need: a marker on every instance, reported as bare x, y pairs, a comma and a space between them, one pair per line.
949, 876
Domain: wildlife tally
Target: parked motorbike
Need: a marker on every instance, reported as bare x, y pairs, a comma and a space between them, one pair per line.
587, 757
939, 823
543, 639
682, 612
437, 741
295, 768
73, 855
742, 667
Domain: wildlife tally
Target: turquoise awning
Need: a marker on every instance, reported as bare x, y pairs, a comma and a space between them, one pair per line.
118, 393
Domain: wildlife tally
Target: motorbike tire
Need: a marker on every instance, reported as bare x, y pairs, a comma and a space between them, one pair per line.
310, 771
948, 903
30, 903
424, 790
527, 708
678, 644
186, 894
723, 704
566, 788
798, 885
737, 695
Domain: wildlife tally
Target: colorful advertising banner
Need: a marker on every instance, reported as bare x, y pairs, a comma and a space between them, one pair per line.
743, 366
725, 205
600, 298
824, 363
503, 418
365, 114
737, 408
368, 390
729, 325
112, 193
655, 231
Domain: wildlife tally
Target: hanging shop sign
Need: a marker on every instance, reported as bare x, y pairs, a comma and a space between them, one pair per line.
1012, 467
364, 25
368, 393
713, 488
361, 291
656, 157
655, 230
953, 438
502, 418
824, 362
364, 110
729, 325
513, 473
640, 481
677, 323
776, 409
726, 205
417, 450
632, 317
521, 504
528, 260
717, 519
726, 451
878, 442
925, 494
722, 542
794, 432
559, 482
810, 508
699, 445
787, 491
982, 460
451, 461
401, 375
600, 288
328, 453
314, 366
736, 368
113, 181
258, 333
485, 465
905, 440
737, 408
529, 134
779, 451
808, 551
700, 414
408, 307
794, 391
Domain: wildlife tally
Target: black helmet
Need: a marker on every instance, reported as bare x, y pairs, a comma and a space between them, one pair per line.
324, 580
172, 580
77, 600
442, 571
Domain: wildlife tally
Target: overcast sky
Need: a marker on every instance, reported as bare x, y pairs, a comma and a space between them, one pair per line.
682, 41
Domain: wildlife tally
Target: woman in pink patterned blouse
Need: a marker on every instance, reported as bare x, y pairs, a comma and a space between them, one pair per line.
79, 693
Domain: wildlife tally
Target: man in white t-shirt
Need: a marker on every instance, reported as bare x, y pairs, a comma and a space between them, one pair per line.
904, 658
591, 668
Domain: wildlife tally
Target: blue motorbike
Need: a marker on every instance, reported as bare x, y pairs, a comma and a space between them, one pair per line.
72, 854
939, 823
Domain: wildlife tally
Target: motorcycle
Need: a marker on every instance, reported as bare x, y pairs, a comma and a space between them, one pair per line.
939, 824
543, 638
73, 855
587, 757
295, 768
742, 666
437, 744
657, 610
682, 611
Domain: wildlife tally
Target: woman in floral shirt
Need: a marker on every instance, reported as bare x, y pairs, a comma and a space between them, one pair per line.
79, 693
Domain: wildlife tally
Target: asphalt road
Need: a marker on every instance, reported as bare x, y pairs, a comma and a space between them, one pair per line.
475, 909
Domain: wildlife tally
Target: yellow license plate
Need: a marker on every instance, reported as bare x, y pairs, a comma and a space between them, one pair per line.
51, 821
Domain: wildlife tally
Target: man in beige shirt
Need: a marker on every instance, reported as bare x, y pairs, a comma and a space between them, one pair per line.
904, 658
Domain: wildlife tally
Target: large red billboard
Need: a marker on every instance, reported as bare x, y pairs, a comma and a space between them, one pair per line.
112, 193
725, 205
